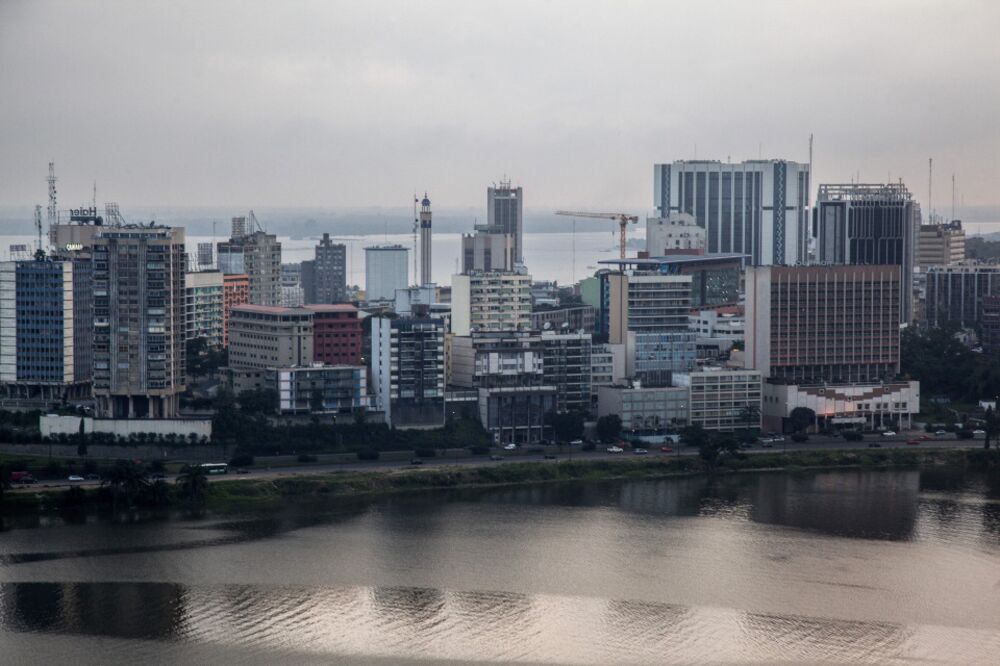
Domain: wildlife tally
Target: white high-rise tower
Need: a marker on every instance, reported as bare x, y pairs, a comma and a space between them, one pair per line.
425, 241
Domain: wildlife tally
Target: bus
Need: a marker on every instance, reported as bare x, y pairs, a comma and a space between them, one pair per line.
215, 468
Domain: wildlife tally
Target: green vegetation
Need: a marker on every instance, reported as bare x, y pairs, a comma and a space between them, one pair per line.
609, 428
947, 368
204, 360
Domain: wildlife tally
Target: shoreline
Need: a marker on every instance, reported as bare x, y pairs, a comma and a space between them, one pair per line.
230, 494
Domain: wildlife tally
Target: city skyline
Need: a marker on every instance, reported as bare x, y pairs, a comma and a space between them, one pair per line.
243, 92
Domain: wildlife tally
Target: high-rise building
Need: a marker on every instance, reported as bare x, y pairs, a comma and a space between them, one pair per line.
490, 302
676, 233
263, 337
941, 244
386, 270
567, 367
203, 307
39, 340
487, 252
505, 215
408, 371
235, 291
138, 283
256, 254
324, 280
425, 241
336, 334
831, 324
869, 225
206, 256
955, 294
755, 207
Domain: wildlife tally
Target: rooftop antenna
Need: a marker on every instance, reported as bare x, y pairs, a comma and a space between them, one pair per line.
930, 188
416, 225
93, 201
53, 211
38, 226
809, 189
953, 195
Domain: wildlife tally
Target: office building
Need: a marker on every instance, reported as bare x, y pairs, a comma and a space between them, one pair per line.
724, 323
138, 286
505, 215
816, 324
206, 257
292, 295
869, 225
990, 324
490, 302
257, 255
567, 367
203, 307
386, 271
889, 405
955, 294
574, 318
644, 410
487, 252
336, 334
39, 339
235, 291
756, 207
415, 301
426, 257
941, 244
723, 398
263, 337
324, 279
408, 371
337, 389
673, 234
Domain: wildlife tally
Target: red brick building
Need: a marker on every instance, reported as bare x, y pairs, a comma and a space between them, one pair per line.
235, 291
336, 334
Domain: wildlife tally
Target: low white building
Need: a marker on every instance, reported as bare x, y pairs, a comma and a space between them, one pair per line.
644, 409
678, 231
723, 323
722, 398
867, 406
55, 424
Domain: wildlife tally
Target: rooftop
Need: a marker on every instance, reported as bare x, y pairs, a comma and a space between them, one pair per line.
269, 309
330, 307
676, 259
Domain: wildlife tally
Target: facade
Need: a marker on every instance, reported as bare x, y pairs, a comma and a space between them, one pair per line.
505, 215
324, 280
516, 414
716, 279
38, 334
644, 410
407, 302
256, 255
888, 405
336, 334
756, 207
426, 260
492, 359
677, 232
263, 337
386, 270
869, 225
725, 323
139, 287
487, 252
723, 398
816, 324
567, 367
990, 324
203, 307
292, 295
955, 294
654, 357
941, 244
235, 291
338, 389
576, 318
408, 371
490, 302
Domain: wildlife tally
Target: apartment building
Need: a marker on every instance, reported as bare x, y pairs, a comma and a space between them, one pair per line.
723, 398
264, 337
490, 302
408, 371
235, 291
336, 334
204, 300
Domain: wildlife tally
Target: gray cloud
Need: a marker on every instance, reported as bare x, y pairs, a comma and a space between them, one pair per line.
361, 103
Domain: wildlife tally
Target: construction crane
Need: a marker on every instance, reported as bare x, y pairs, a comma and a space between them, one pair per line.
622, 218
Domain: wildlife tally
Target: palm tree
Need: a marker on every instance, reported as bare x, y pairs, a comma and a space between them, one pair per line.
126, 480
193, 481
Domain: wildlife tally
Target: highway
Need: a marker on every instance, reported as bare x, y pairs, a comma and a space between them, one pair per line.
261, 470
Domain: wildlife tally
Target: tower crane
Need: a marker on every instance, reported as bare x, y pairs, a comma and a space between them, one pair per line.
622, 218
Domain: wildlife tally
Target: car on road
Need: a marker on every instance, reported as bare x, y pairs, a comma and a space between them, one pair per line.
510, 447
615, 449
940, 433
874, 445
640, 452
496, 458
889, 433
666, 449
158, 477
925, 437
74, 477
550, 456
913, 442
416, 461
978, 432
242, 471
576, 442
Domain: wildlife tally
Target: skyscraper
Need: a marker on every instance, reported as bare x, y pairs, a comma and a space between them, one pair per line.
324, 280
756, 207
256, 254
871, 225
408, 368
425, 241
138, 321
505, 214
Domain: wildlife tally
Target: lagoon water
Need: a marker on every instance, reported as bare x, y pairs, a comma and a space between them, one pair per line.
841, 567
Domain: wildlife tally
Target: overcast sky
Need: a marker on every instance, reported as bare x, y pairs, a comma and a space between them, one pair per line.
358, 104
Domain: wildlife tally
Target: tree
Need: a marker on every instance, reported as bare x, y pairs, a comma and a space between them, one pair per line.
203, 359
193, 482
991, 427
81, 439
566, 426
260, 401
750, 416
126, 481
609, 427
316, 400
801, 418
694, 435
4, 480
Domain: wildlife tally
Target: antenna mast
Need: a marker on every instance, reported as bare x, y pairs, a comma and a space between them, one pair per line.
416, 272
809, 187
930, 188
52, 194
38, 226
952, 196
